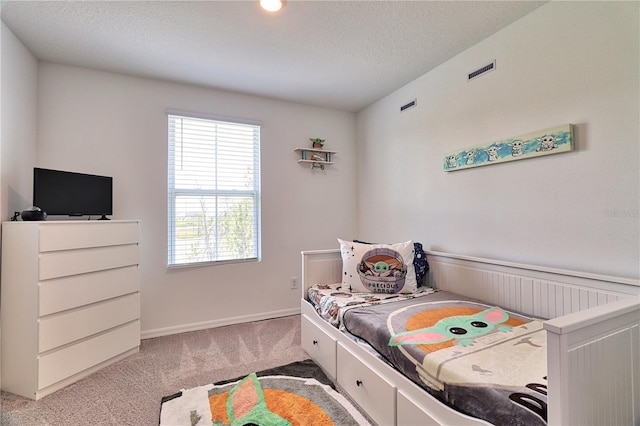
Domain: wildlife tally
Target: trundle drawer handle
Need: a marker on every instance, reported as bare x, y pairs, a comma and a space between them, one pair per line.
315, 342
358, 382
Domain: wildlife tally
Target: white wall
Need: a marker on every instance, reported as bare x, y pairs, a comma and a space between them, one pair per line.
110, 124
17, 124
564, 63
18, 94
567, 62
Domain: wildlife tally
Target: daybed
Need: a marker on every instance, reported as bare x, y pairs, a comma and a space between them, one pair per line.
592, 325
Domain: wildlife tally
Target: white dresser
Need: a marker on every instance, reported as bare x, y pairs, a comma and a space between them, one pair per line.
70, 301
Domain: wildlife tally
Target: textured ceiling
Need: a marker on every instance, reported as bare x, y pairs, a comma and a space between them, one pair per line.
337, 54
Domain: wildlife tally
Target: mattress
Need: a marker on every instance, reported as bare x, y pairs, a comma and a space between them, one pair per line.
481, 360
331, 302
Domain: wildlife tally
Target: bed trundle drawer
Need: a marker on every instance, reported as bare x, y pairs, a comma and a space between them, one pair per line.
409, 413
375, 395
319, 345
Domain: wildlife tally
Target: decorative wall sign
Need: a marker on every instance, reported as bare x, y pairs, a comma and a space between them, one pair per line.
545, 142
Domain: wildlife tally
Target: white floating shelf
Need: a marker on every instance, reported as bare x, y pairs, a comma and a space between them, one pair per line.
315, 157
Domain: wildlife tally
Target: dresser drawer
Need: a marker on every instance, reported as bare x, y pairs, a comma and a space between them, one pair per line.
375, 395
60, 294
58, 330
319, 345
71, 360
69, 236
72, 262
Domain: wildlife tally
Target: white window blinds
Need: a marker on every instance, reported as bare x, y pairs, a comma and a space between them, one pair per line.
213, 190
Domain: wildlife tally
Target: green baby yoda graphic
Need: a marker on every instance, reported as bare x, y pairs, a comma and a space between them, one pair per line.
246, 405
462, 328
381, 267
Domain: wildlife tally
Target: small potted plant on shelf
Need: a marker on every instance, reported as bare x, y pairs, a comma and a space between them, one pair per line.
317, 142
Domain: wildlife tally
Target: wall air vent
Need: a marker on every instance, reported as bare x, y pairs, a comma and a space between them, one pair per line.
409, 105
482, 70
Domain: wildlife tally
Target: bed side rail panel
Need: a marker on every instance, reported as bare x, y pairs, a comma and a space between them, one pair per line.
593, 366
542, 293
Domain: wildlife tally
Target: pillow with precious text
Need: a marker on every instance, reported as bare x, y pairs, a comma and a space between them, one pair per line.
378, 268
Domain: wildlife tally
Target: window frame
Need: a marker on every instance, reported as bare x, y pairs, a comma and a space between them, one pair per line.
254, 193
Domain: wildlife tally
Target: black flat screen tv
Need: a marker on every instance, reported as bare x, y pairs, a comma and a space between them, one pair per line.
57, 192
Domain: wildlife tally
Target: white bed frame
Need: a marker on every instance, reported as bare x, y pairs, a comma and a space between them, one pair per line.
593, 341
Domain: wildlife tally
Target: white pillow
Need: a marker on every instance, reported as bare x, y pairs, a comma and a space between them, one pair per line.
378, 268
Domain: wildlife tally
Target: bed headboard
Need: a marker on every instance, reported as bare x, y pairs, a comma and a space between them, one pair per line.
320, 267
532, 290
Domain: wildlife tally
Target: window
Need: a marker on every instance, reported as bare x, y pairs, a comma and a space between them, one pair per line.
213, 190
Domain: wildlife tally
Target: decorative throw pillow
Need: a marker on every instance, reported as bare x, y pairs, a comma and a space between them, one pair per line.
378, 268
420, 263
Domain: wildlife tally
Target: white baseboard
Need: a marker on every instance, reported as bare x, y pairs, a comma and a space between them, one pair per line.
166, 331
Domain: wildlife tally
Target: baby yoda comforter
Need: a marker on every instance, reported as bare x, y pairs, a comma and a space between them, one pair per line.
480, 359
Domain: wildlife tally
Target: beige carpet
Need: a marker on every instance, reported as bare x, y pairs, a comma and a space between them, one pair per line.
129, 391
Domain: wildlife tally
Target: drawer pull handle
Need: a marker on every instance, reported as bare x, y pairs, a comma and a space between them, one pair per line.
315, 342
358, 382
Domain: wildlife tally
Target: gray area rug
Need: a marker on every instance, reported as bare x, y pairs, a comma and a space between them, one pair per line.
129, 391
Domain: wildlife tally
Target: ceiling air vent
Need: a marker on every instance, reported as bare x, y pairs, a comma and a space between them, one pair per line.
409, 105
482, 70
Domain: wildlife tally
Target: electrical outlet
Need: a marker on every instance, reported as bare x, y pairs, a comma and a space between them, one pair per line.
294, 283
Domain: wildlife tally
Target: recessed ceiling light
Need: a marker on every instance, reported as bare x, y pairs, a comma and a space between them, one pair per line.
272, 5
